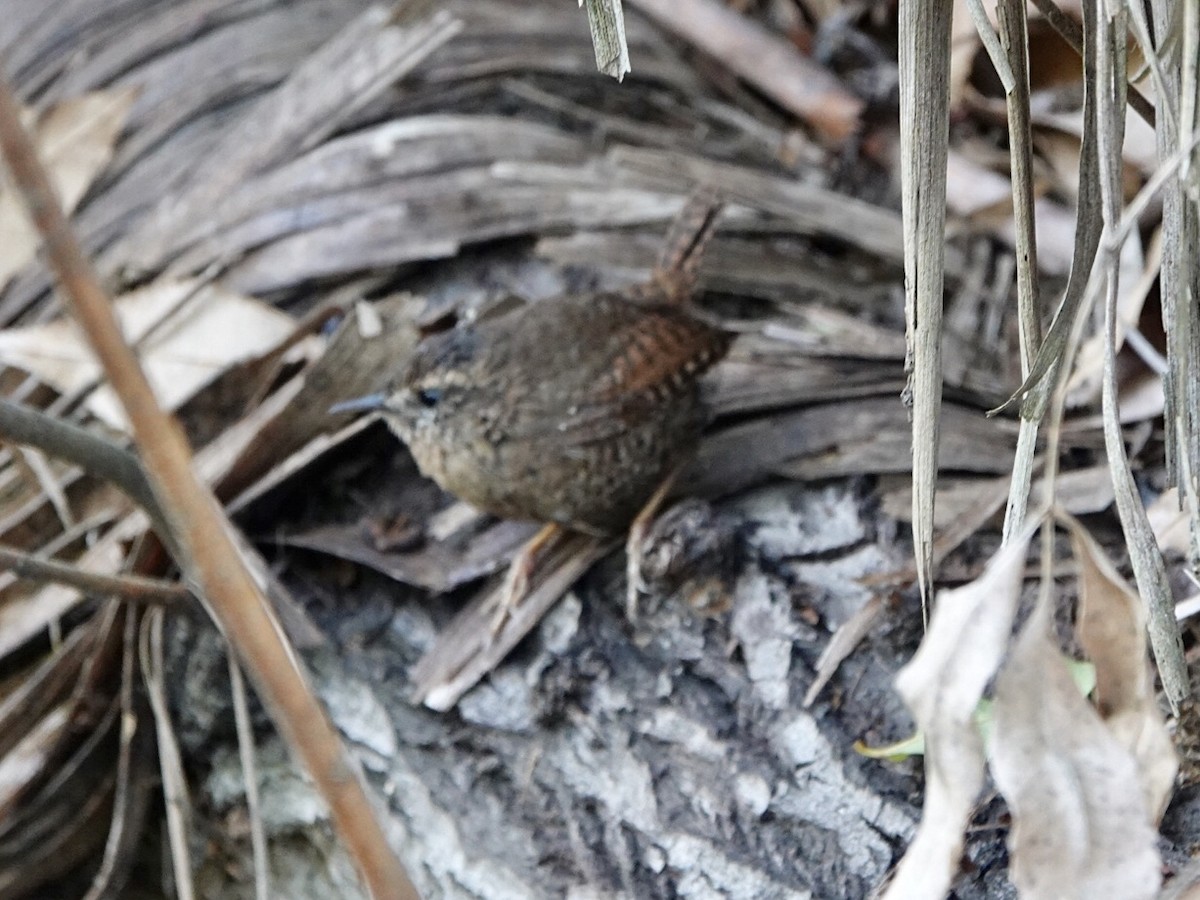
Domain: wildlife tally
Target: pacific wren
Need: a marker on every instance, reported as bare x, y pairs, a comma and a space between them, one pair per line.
571, 410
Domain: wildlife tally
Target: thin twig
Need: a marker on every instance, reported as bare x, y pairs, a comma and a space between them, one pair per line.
38, 467
1145, 557
1014, 33
132, 588
246, 751
203, 533
94, 454
132, 790
170, 763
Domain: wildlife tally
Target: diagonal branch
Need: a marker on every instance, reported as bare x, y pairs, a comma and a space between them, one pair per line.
203, 533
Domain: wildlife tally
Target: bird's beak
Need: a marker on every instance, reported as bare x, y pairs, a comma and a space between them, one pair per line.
368, 403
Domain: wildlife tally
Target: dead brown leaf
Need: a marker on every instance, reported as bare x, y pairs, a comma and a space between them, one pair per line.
1080, 824
1112, 630
189, 334
943, 685
1085, 788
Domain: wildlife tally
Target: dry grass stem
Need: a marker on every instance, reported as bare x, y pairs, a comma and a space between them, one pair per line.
209, 555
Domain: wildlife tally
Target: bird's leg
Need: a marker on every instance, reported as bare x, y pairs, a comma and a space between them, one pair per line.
516, 583
638, 530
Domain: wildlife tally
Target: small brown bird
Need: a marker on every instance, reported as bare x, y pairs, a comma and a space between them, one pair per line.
574, 411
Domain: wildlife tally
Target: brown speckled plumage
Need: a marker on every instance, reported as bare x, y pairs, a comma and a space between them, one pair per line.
571, 410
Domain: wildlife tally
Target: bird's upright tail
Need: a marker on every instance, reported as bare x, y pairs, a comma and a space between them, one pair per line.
679, 263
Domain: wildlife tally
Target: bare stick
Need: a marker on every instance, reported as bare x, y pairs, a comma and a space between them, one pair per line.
132, 588
94, 454
203, 534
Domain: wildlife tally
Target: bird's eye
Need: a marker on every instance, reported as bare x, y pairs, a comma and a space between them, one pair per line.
429, 397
